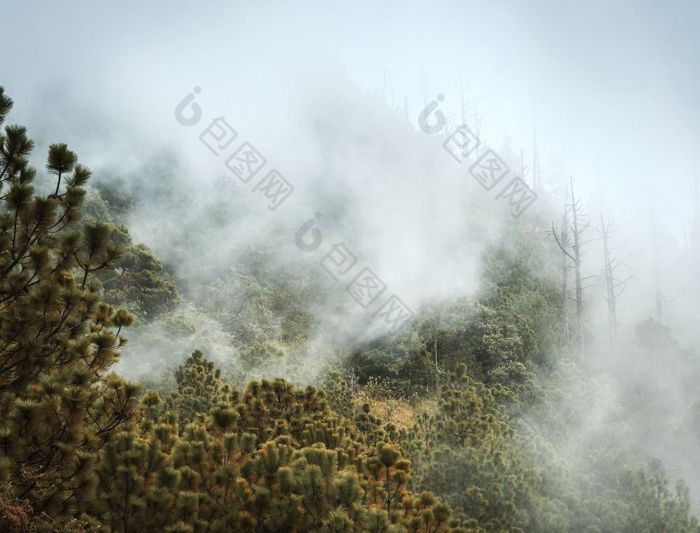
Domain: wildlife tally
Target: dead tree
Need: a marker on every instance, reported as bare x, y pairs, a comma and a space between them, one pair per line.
462, 101
660, 301
694, 247
536, 174
469, 114
577, 233
573, 251
565, 265
610, 296
614, 287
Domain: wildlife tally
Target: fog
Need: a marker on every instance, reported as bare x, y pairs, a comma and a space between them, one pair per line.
602, 93
607, 91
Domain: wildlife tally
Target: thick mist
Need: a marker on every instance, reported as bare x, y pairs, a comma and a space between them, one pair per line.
603, 95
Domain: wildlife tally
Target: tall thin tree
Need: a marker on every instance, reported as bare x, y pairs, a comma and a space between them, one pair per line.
613, 285
573, 249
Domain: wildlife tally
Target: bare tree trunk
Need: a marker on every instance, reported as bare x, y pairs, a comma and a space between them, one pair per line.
572, 251
536, 176
694, 345
462, 102
611, 296
576, 247
564, 239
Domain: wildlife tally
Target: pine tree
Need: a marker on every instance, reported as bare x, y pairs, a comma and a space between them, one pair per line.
489, 481
57, 339
272, 458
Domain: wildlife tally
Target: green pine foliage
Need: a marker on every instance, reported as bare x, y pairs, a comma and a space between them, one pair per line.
272, 457
489, 481
79, 450
467, 421
58, 405
138, 281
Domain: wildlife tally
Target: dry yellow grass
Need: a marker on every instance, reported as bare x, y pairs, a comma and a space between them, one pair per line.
401, 413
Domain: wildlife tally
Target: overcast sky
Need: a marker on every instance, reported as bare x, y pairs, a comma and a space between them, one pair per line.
611, 86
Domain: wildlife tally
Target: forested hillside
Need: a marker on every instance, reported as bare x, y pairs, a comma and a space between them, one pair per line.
480, 415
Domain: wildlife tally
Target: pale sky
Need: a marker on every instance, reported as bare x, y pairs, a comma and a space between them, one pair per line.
610, 85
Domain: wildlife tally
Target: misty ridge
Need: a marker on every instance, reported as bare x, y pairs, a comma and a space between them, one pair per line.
359, 286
